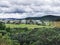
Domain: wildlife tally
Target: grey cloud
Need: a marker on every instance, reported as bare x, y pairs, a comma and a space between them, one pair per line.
15, 11
30, 7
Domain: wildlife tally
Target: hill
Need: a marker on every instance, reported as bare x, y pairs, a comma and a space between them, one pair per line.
47, 17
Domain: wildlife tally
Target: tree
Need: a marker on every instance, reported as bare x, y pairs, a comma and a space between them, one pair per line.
2, 26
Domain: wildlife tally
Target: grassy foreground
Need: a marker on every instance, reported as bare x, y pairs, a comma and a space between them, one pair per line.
29, 26
26, 34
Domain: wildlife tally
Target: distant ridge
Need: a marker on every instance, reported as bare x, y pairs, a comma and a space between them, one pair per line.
47, 17
50, 17
10, 19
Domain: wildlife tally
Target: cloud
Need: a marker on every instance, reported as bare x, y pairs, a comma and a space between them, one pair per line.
19, 16
4, 4
28, 8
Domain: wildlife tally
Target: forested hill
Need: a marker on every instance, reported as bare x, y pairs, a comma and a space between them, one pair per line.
47, 17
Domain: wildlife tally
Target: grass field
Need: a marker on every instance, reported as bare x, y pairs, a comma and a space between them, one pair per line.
26, 25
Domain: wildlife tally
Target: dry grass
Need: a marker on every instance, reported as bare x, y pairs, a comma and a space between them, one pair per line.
57, 24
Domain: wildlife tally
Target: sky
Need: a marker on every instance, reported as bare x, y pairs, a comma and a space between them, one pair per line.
28, 8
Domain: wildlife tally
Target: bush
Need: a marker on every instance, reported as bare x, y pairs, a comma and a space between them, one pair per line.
2, 26
41, 36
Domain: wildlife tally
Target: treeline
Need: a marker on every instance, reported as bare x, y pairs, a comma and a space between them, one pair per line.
25, 36
34, 22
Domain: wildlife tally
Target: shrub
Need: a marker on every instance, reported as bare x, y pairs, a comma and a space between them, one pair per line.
41, 36
2, 26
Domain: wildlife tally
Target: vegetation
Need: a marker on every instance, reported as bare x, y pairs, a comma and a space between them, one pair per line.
57, 24
30, 26
25, 34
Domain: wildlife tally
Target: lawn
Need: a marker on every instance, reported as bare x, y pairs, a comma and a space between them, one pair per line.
26, 25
